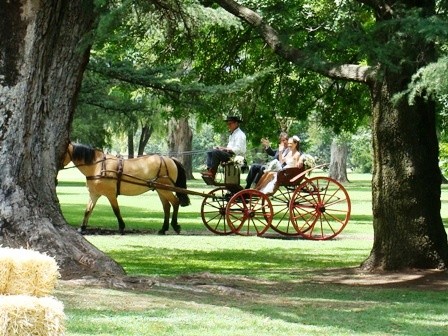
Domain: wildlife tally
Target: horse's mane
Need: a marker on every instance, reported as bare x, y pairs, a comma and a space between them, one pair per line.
83, 153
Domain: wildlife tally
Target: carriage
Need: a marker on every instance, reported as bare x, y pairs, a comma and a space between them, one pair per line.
316, 208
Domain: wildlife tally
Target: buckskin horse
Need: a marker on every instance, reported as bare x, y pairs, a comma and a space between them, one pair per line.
111, 176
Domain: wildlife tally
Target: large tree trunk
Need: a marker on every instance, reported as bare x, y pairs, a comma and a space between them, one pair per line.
338, 162
406, 184
41, 63
180, 143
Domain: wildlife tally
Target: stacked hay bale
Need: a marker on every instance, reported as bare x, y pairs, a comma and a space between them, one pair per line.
27, 278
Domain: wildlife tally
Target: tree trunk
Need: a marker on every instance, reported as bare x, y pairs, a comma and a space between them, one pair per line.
131, 149
144, 138
408, 228
180, 142
41, 63
338, 161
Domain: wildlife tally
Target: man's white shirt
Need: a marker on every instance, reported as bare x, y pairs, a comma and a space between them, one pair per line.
237, 142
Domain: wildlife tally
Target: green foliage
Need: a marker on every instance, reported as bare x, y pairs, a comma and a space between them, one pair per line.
316, 140
443, 157
201, 60
203, 140
89, 128
344, 107
287, 92
105, 108
361, 153
430, 81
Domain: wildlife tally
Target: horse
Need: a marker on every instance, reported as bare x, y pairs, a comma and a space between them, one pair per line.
111, 176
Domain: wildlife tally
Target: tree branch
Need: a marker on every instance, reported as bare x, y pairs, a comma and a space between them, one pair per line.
351, 72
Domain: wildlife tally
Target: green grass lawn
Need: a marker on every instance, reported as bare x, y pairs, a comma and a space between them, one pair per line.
198, 283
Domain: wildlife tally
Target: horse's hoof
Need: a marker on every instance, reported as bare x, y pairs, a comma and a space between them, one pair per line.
122, 232
177, 230
161, 232
81, 231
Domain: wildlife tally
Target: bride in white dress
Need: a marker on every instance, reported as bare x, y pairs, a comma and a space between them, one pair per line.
294, 158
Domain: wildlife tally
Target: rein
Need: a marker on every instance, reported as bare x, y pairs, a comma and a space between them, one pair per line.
82, 165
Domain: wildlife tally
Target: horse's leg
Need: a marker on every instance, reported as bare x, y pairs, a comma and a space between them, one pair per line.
175, 203
174, 224
89, 208
114, 203
166, 218
168, 198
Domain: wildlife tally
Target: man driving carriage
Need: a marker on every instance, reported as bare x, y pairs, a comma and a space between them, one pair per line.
235, 146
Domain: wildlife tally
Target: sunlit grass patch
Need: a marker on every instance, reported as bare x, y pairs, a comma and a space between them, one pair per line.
268, 258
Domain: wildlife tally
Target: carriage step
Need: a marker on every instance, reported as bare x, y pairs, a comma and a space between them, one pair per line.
208, 180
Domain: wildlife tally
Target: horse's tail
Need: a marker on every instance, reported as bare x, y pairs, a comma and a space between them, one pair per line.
181, 182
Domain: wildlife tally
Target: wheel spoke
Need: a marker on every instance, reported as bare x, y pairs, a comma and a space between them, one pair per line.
281, 222
213, 211
320, 208
249, 212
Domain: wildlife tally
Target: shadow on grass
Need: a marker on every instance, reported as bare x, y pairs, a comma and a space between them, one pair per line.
346, 308
306, 300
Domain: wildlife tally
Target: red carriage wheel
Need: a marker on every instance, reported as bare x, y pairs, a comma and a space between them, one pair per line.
249, 212
320, 208
281, 222
213, 210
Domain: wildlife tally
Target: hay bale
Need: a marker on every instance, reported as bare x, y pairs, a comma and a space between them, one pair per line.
27, 272
27, 315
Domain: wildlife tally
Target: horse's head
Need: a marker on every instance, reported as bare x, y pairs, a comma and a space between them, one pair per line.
68, 155
82, 154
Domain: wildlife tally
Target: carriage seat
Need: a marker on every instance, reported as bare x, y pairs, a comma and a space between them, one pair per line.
284, 176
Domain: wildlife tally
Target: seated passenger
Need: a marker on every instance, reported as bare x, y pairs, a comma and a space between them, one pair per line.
293, 158
256, 170
235, 146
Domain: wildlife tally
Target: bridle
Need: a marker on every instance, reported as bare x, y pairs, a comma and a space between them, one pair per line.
83, 164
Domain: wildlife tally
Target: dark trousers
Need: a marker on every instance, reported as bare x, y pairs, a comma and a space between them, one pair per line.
215, 157
253, 176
